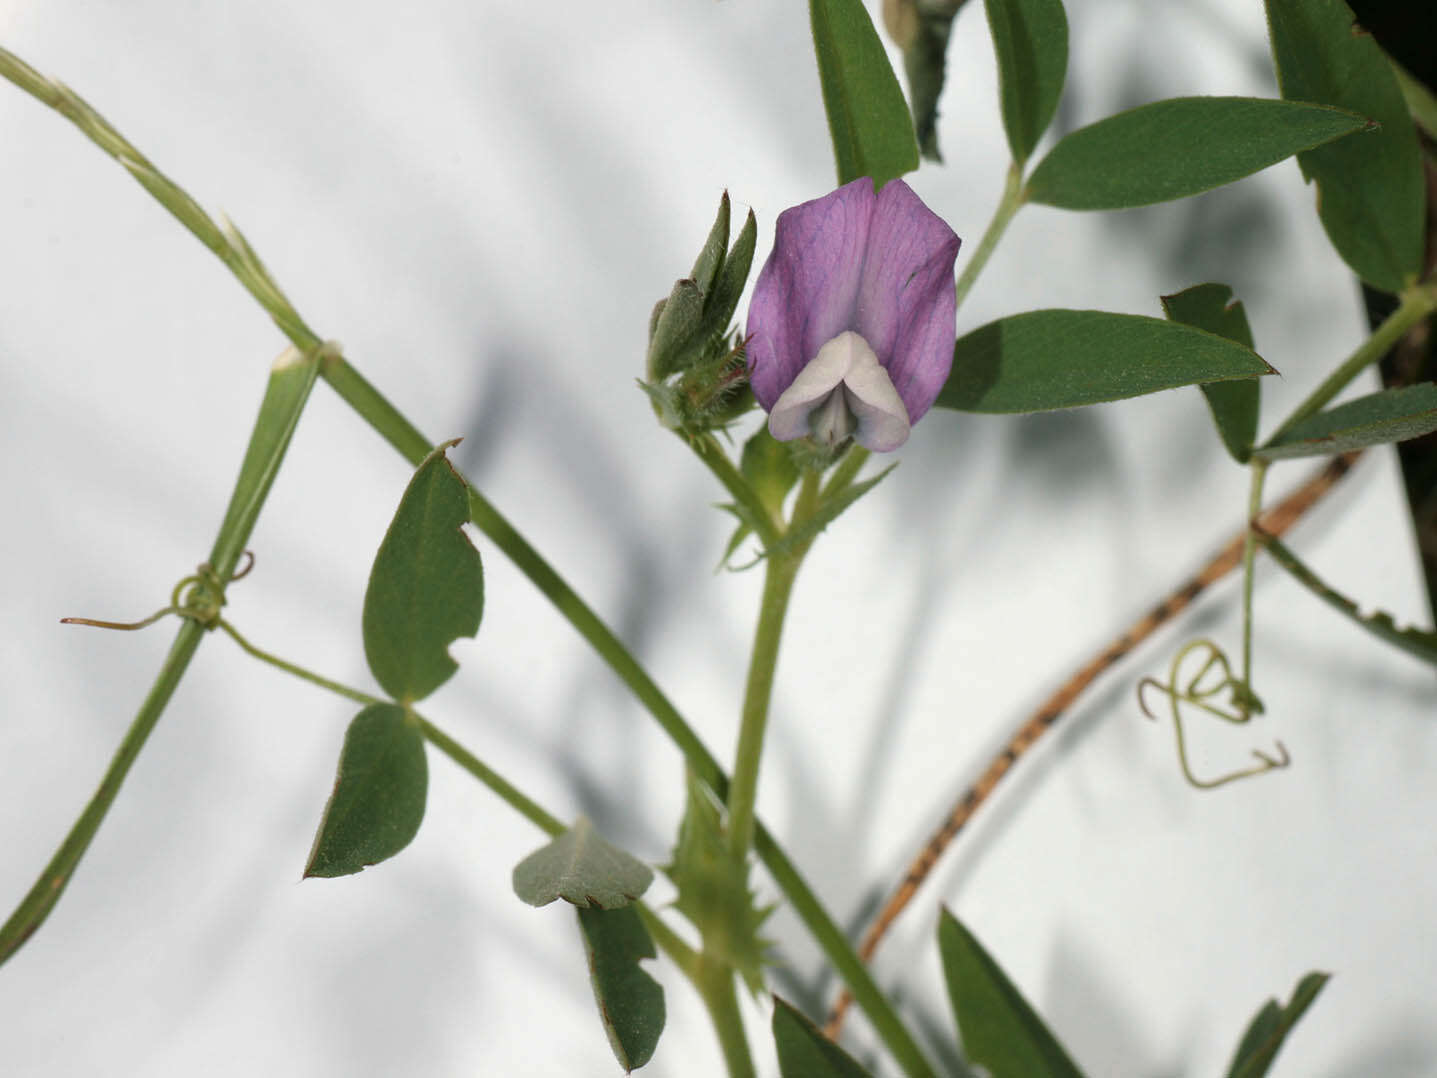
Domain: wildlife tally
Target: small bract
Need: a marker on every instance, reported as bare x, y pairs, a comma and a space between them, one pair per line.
851, 327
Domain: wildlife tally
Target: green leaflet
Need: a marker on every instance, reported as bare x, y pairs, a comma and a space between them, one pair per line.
1391, 415
631, 1003
1179, 147
1030, 38
1000, 1030
427, 585
803, 1050
1369, 189
1270, 1027
580, 867
1416, 642
868, 119
1041, 360
379, 792
1234, 405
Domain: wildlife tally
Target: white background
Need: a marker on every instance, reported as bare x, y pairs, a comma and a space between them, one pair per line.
482, 201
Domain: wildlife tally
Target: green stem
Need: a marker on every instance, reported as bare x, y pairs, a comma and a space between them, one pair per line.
1249, 548
715, 983
778, 580
41, 899
1417, 304
224, 240
1008, 205
707, 449
680, 953
372, 406
298, 671
509, 793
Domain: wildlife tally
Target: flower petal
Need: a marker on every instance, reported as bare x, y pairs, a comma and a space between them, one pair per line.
906, 308
842, 391
874, 402
788, 418
805, 293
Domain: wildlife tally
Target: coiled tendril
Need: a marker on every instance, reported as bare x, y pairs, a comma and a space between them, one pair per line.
198, 597
1204, 691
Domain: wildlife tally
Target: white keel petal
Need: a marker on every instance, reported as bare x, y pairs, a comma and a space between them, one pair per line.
788, 419
881, 416
843, 391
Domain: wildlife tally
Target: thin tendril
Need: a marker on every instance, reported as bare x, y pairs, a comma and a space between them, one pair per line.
1238, 711
123, 626
198, 597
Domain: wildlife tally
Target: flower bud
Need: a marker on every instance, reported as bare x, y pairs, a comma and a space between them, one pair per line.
696, 374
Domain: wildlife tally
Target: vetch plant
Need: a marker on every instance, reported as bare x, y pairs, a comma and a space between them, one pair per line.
854, 332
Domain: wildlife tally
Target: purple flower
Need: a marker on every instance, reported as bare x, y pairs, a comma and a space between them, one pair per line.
850, 331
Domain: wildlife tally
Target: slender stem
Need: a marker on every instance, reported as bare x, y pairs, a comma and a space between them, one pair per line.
706, 447
374, 408
298, 671
1249, 548
715, 983
1008, 205
1417, 304
806, 504
41, 899
778, 580
509, 793
223, 239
